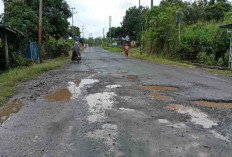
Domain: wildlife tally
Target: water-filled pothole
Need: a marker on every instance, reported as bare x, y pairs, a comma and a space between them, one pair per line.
13, 107
158, 88
77, 82
221, 105
159, 96
132, 78
71, 92
60, 95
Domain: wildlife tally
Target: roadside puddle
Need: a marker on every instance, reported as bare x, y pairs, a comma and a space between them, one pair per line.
220, 105
196, 115
60, 95
158, 88
71, 92
158, 96
131, 78
13, 107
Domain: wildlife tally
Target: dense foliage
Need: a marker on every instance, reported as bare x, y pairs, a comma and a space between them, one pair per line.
201, 40
22, 15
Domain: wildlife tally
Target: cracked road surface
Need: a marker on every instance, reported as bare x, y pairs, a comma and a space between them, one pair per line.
114, 106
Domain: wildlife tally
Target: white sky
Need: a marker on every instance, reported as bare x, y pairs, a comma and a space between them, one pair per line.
94, 14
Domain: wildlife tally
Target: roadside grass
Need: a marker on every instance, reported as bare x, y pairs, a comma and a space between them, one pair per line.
114, 49
134, 53
219, 72
10, 79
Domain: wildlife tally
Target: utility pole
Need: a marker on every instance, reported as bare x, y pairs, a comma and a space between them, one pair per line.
103, 32
110, 20
40, 31
151, 3
82, 28
140, 49
72, 23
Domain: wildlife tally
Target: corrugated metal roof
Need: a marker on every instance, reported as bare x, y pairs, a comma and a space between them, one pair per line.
4, 27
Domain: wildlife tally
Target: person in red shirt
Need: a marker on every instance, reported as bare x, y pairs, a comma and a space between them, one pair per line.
126, 49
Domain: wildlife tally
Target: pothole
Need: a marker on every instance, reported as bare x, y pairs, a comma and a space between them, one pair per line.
159, 96
77, 82
71, 92
60, 95
196, 115
158, 88
13, 107
220, 105
131, 78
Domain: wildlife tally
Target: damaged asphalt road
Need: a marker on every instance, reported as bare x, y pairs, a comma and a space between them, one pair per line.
113, 106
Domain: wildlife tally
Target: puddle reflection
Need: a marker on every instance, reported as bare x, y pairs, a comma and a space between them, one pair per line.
71, 92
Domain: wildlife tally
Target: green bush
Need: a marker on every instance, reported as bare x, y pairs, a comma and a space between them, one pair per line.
54, 48
211, 59
221, 61
18, 60
202, 57
226, 57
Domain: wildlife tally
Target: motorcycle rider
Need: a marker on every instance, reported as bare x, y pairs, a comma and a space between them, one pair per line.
76, 50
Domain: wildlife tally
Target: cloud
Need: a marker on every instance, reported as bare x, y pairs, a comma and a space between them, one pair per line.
94, 14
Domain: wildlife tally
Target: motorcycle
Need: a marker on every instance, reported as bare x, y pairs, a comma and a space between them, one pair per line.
77, 57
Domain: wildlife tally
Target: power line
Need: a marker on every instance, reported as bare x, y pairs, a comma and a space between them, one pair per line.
40, 30
145, 2
72, 22
110, 20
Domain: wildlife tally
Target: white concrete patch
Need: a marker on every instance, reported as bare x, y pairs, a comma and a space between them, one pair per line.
76, 90
108, 134
98, 104
219, 136
178, 125
163, 121
113, 86
197, 116
126, 109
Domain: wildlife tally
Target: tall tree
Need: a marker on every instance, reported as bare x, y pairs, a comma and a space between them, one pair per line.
131, 23
20, 17
116, 32
55, 12
76, 31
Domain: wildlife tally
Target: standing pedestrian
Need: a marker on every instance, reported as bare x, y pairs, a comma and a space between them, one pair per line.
126, 49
